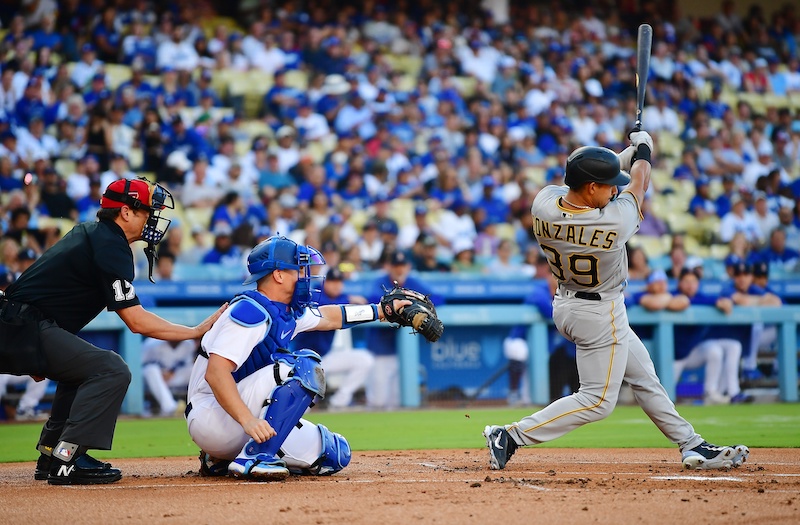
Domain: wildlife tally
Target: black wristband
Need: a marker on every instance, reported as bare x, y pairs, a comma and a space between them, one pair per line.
642, 153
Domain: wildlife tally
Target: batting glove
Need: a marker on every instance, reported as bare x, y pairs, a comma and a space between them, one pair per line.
626, 158
641, 137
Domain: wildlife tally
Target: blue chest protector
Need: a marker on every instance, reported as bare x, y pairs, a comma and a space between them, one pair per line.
251, 308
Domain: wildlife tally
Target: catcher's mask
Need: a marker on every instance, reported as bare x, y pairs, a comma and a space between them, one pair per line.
141, 194
282, 253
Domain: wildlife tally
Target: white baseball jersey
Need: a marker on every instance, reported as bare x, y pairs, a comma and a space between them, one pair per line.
235, 343
586, 248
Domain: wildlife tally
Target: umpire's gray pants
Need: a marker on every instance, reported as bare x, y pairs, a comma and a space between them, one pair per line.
92, 383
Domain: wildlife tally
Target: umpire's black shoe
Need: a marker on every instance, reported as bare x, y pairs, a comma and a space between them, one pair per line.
83, 470
42, 467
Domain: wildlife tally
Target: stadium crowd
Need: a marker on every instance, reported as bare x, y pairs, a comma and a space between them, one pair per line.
418, 126
424, 128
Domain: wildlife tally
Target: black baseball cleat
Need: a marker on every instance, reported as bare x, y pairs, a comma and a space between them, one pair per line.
42, 467
83, 470
212, 467
501, 446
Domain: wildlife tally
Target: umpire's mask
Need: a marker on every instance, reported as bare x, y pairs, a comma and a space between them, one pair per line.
141, 194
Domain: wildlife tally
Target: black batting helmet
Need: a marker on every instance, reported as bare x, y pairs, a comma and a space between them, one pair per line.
594, 164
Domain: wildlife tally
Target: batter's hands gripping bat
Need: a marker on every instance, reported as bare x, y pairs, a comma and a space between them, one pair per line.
644, 45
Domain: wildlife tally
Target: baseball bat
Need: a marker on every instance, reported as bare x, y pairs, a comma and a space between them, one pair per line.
644, 45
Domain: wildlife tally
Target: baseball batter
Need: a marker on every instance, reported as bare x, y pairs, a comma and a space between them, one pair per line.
582, 228
247, 392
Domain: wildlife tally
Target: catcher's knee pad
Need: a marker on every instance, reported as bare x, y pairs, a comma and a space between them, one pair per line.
313, 450
306, 369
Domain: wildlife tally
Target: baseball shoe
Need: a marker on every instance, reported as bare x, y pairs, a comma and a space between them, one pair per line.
741, 455
83, 470
706, 456
741, 398
212, 467
501, 446
259, 468
30, 414
714, 398
43, 466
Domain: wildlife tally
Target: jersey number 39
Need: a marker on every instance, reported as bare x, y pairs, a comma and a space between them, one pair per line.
582, 267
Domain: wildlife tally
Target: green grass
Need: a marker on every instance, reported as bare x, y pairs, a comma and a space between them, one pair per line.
755, 425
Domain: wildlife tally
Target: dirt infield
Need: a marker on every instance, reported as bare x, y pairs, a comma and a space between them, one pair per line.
429, 486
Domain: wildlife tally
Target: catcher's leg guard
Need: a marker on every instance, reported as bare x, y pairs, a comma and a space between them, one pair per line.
313, 450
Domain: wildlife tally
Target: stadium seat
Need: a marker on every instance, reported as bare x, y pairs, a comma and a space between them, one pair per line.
465, 85
506, 231
116, 74
402, 211
297, 79
63, 225
406, 83
652, 246
255, 127
669, 144
535, 174
64, 167
199, 217
136, 158
776, 101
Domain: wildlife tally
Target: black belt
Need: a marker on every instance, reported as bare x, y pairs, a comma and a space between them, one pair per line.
11, 309
588, 296
188, 409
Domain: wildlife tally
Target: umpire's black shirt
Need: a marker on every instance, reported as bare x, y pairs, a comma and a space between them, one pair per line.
90, 269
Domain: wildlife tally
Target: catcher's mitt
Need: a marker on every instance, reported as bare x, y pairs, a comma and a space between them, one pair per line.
419, 315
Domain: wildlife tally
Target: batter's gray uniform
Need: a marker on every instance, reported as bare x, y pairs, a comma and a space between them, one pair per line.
586, 252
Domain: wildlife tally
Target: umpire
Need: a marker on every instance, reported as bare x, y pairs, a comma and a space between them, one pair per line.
90, 269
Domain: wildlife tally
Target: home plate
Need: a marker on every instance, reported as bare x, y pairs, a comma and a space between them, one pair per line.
698, 478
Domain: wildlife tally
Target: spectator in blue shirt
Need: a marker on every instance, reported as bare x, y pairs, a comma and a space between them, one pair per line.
496, 208
340, 359
777, 253
563, 366
141, 88
139, 47
701, 205
30, 104
743, 292
224, 251
281, 101
711, 347
105, 37
724, 200
687, 169
97, 91
180, 136
383, 389
89, 205
46, 35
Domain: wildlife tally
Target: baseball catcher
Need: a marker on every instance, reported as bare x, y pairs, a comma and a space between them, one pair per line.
420, 315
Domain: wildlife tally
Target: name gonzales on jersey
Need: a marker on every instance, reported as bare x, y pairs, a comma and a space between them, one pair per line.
578, 235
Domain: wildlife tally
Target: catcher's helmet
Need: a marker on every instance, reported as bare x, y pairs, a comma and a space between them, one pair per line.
594, 164
282, 253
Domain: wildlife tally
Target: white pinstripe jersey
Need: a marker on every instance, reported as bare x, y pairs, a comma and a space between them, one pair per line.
586, 248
